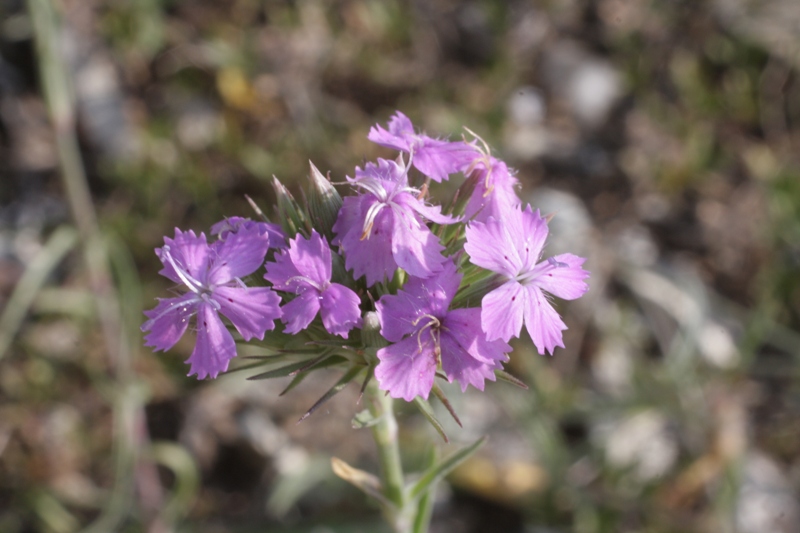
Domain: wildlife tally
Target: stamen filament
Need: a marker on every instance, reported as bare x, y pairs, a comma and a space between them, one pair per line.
186, 278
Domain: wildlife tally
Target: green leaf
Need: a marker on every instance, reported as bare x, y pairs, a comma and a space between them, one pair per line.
434, 474
300, 376
281, 372
294, 368
422, 517
333, 391
508, 378
370, 374
297, 380
427, 411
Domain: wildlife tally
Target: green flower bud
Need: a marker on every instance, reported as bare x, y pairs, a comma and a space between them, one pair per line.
323, 203
291, 217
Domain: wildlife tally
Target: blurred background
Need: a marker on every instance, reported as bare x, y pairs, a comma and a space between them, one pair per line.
664, 135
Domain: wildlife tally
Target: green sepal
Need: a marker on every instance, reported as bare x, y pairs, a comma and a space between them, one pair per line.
439, 393
475, 284
502, 375
434, 474
427, 411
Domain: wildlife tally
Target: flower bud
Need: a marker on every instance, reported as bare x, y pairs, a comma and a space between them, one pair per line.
292, 219
323, 202
371, 331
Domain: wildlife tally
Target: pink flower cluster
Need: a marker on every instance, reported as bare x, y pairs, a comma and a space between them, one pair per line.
387, 226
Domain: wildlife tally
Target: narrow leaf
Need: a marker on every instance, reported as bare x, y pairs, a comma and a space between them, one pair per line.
422, 517
434, 474
280, 372
296, 380
341, 384
300, 376
370, 373
332, 344
442, 398
365, 481
294, 368
502, 375
314, 362
364, 419
426, 410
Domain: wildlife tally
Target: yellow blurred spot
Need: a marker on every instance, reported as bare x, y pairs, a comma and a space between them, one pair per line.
503, 482
235, 89
520, 478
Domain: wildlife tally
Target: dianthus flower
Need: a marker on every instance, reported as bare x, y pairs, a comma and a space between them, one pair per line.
512, 247
495, 189
435, 158
382, 229
426, 335
305, 269
212, 274
223, 228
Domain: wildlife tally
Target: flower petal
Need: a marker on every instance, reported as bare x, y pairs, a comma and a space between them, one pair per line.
406, 369
542, 321
458, 365
414, 247
494, 195
339, 310
238, 255
431, 212
491, 246
282, 273
190, 253
438, 159
398, 314
502, 311
215, 347
252, 310
299, 313
529, 236
311, 257
371, 257
566, 281
400, 127
464, 326
277, 239
168, 320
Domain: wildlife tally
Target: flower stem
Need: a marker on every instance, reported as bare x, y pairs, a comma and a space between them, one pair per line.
399, 512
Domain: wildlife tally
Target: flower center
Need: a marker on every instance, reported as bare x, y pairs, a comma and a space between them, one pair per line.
526, 277
433, 327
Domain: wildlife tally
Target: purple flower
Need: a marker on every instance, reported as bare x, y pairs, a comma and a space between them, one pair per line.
223, 228
427, 335
512, 247
435, 158
382, 229
305, 269
212, 274
495, 189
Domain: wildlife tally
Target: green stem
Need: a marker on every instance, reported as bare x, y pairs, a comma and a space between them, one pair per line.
399, 513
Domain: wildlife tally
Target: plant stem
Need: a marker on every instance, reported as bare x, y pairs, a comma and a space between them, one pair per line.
399, 513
